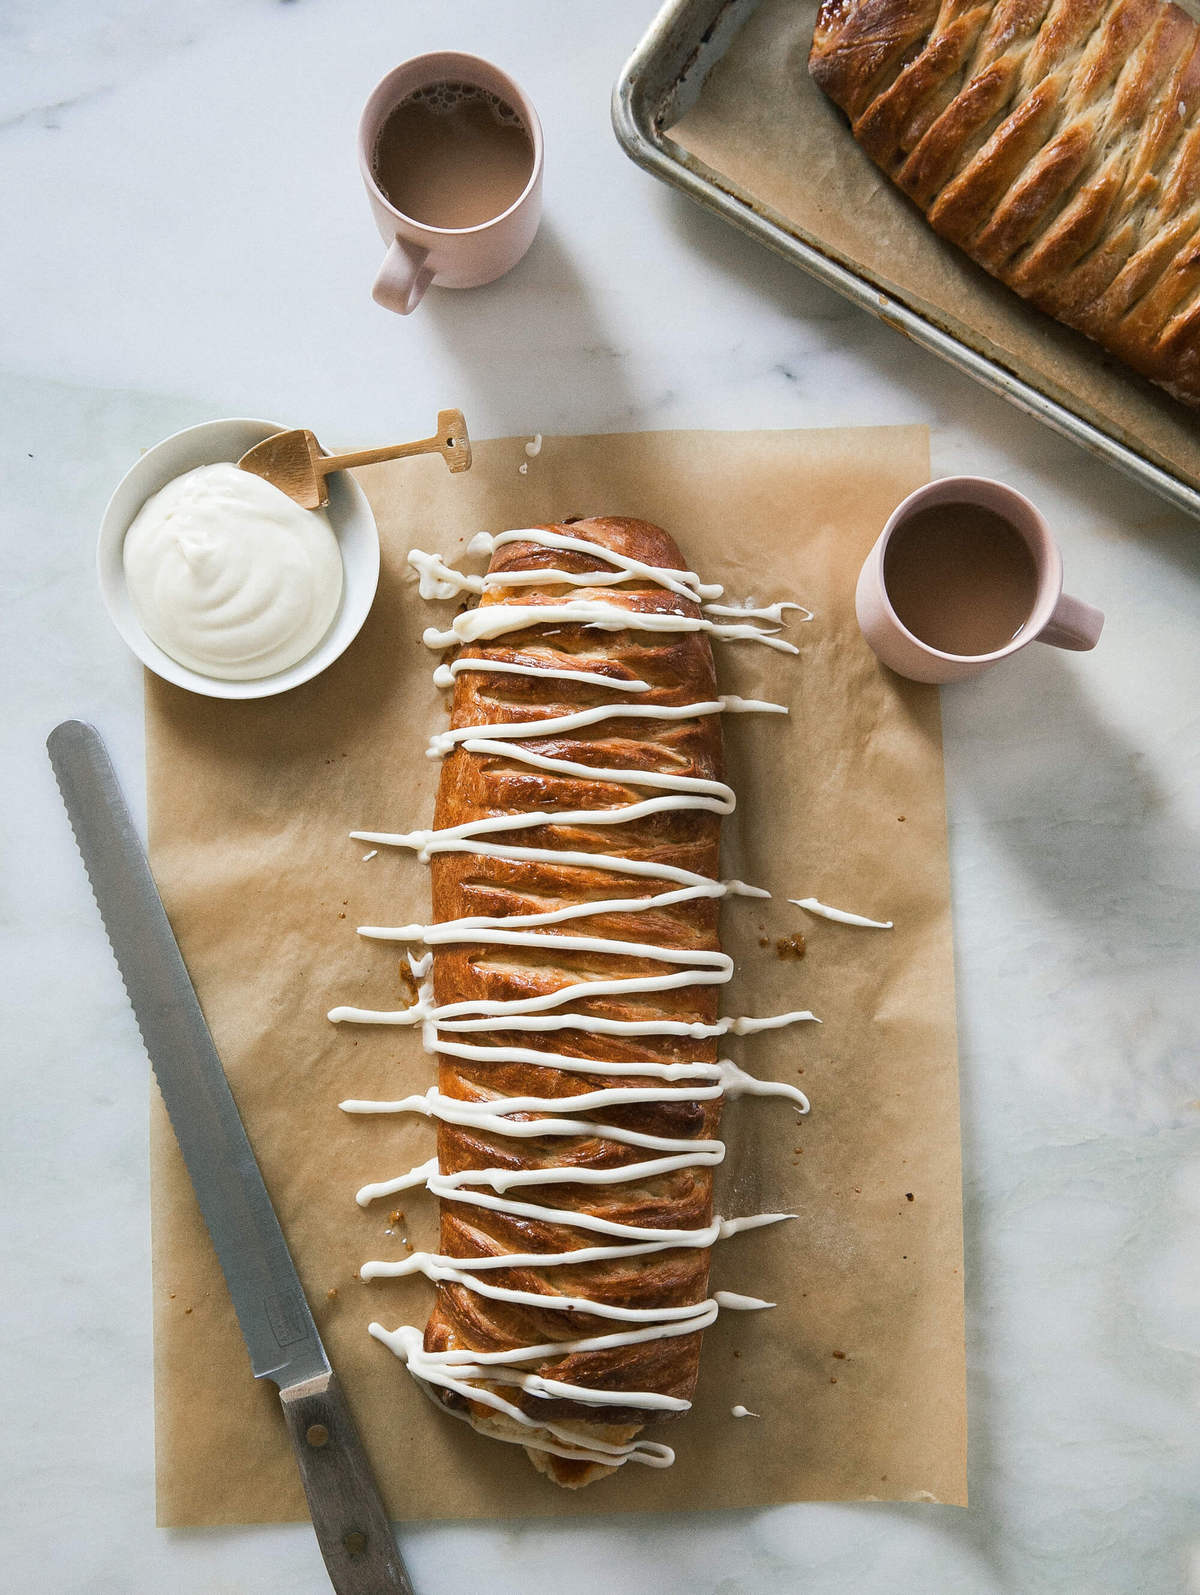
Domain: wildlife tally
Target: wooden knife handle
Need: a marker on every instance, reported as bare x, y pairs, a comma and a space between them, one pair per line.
352, 1527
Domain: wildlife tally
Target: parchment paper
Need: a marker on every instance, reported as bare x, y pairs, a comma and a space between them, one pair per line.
762, 122
858, 1372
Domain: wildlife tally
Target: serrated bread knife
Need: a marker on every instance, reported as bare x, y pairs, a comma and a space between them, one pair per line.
281, 1337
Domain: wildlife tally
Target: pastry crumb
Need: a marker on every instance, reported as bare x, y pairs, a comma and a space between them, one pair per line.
793, 946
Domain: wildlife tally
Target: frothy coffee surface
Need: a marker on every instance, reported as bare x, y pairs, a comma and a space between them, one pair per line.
452, 155
961, 578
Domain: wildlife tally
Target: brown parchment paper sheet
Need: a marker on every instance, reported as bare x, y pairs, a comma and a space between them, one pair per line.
762, 122
250, 805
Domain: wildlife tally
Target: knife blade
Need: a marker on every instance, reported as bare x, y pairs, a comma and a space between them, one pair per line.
276, 1323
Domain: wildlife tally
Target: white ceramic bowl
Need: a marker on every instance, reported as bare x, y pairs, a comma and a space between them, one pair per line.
208, 444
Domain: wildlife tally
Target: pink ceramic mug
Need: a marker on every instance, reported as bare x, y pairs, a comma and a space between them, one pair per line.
1053, 616
452, 257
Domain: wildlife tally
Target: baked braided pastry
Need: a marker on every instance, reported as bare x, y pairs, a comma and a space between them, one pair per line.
570, 992
1057, 142
679, 668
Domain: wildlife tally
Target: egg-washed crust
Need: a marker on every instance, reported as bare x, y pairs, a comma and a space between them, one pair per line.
679, 666
1057, 142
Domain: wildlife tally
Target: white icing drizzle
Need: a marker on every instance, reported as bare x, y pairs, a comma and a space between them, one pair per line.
374, 853
427, 1263
493, 1116
661, 779
494, 620
426, 843
519, 1008
743, 1412
435, 1368
611, 863
439, 580
556, 578
449, 1017
734, 1082
456, 930
741, 1026
580, 944
407, 1343
841, 915
684, 582
443, 581
444, 675
564, 1443
748, 612
442, 742
475, 1375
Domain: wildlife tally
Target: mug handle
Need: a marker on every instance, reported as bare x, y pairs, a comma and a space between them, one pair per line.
403, 277
1073, 625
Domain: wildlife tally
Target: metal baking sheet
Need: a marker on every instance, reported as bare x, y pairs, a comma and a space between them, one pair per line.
663, 80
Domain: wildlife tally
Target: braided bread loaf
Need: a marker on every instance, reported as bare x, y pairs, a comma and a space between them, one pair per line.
678, 668
1057, 142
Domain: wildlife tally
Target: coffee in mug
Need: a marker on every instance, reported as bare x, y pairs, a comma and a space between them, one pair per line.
450, 151
964, 573
452, 155
961, 578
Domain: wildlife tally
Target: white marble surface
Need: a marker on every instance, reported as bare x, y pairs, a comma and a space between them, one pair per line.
184, 237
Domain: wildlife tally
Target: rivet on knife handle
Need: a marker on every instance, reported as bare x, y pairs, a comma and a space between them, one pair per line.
352, 1529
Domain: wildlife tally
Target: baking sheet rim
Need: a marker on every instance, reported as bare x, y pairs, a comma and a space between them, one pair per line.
638, 99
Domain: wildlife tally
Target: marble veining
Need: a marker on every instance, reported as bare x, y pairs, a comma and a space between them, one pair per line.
153, 278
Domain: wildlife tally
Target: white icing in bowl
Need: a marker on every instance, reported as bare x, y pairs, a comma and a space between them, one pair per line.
230, 576
213, 442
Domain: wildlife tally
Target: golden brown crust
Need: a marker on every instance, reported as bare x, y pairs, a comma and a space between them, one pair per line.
1057, 142
680, 668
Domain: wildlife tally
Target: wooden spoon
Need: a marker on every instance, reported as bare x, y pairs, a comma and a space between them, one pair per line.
296, 464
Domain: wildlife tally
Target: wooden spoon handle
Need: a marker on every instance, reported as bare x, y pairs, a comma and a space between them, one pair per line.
352, 1527
393, 451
